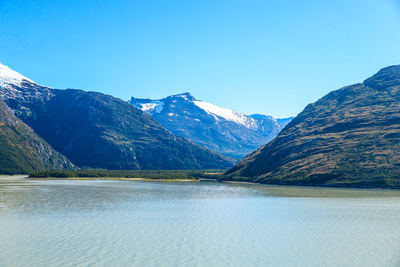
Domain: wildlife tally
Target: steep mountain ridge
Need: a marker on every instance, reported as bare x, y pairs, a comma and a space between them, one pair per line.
351, 136
22, 151
223, 130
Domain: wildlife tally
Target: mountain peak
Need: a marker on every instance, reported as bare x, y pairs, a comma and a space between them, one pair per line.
224, 130
186, 96
386, 77
9, 77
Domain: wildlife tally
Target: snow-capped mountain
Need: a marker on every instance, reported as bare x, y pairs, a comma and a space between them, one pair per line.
20, 92
8, 77
226, 131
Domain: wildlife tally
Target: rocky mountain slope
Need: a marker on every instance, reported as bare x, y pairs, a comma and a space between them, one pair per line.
223, 130
22, 150
349, 137
100, 131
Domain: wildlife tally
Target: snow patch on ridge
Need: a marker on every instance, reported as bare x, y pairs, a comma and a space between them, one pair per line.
154, 105
9, 77
225, 113
16, 86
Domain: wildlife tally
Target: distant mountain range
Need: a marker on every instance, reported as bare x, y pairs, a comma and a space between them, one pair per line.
99, 131
350, 137
223, 130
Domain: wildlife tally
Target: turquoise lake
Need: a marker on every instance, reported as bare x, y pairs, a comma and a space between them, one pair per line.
137, 223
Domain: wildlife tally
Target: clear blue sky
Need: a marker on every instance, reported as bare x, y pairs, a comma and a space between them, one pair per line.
271, 57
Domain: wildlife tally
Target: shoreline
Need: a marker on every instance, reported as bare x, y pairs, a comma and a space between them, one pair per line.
214, 181
317, 186
114, 179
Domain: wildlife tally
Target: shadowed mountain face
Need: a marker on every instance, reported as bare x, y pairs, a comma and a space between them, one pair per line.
349, 137
100, 131
21, 150
223, 130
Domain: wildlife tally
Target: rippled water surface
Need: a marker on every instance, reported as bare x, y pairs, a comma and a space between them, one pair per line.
127, 223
